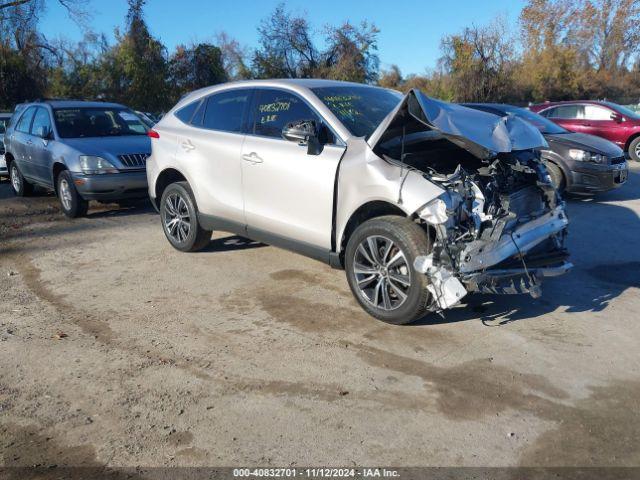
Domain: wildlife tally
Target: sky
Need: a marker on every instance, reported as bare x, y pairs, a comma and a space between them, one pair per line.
410, 30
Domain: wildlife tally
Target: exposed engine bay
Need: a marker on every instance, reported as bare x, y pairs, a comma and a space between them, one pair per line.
500, 226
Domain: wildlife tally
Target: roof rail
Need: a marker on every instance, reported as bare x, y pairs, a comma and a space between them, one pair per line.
45, 99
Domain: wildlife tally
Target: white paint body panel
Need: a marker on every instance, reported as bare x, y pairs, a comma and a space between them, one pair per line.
290, 193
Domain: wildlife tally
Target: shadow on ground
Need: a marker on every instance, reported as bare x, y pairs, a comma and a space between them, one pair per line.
232, 243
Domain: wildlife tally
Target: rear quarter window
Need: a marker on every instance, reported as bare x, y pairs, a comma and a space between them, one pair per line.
186, 113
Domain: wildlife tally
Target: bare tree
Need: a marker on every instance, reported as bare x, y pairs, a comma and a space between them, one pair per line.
286, 46
234, 57
609, 32
480, 62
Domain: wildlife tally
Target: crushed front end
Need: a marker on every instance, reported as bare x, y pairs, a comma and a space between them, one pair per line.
499, 230
499, 226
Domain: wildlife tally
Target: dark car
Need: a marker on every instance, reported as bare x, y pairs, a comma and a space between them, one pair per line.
4, 123
81, 150
604, 119
577, 162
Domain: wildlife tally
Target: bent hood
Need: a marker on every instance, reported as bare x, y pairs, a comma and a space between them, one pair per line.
482, 134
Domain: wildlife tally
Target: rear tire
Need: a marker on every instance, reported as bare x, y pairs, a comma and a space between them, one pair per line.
634, 149
179, 216
387, 289
20, 186
71, 203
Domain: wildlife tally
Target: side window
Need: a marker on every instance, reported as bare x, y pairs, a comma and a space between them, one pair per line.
186, 113
275, 108
41, 119
25, 121
596, 112
225, 111
566, 111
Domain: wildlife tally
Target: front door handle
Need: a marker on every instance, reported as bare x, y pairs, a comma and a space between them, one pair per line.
187, 146
252, 157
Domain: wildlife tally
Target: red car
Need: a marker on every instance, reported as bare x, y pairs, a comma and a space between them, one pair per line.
604, 119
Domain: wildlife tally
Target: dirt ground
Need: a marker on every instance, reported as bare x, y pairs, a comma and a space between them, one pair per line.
117, 350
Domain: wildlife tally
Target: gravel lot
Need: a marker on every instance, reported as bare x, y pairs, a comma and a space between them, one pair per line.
117, 350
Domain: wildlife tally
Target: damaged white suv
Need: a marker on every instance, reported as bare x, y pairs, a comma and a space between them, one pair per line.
421, 201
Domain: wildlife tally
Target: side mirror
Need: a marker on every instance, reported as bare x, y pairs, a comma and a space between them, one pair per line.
616, 117
304, 132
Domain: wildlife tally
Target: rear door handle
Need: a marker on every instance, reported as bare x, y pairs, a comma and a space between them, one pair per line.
252, 157
187, 146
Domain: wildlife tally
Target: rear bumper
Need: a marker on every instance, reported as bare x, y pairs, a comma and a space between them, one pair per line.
113, 186
3, 165
593, 178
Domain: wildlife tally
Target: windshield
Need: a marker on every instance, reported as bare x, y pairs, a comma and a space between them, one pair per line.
544, 125
97, 122
627, 112
360, 109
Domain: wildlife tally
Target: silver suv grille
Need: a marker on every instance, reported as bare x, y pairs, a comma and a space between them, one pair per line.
134, 160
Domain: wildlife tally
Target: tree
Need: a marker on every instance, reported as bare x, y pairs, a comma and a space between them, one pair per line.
286, 47
25, 55
480, 63
195, 67
233, 57
609, 33
391, 78
350, 54
136, 68
575, 48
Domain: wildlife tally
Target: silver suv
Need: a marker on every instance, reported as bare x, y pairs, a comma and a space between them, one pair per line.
419, 200
81, 150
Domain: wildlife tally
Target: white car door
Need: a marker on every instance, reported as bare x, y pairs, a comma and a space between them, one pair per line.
288, 193
211, 148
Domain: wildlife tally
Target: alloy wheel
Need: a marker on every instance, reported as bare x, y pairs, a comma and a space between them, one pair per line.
382, 272
177, 220
637, 150
65, 194
15, 178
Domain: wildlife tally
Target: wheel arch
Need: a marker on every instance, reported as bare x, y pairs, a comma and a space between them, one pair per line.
557, 160
8, 157
629, 140
58, 167
165, 178
367, 211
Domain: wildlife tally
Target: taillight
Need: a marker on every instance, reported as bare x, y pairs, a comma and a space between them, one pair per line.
153, 134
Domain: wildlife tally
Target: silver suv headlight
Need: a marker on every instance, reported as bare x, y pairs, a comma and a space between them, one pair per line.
585, 156
96, 165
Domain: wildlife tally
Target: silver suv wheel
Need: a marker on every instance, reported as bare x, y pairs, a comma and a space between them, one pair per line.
382, 273
177, 220
65, 194
15, 178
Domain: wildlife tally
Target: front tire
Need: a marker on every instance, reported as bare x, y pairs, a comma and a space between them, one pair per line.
179, 217
72, 204
20, 186
379, 265
557, 177
634, 149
